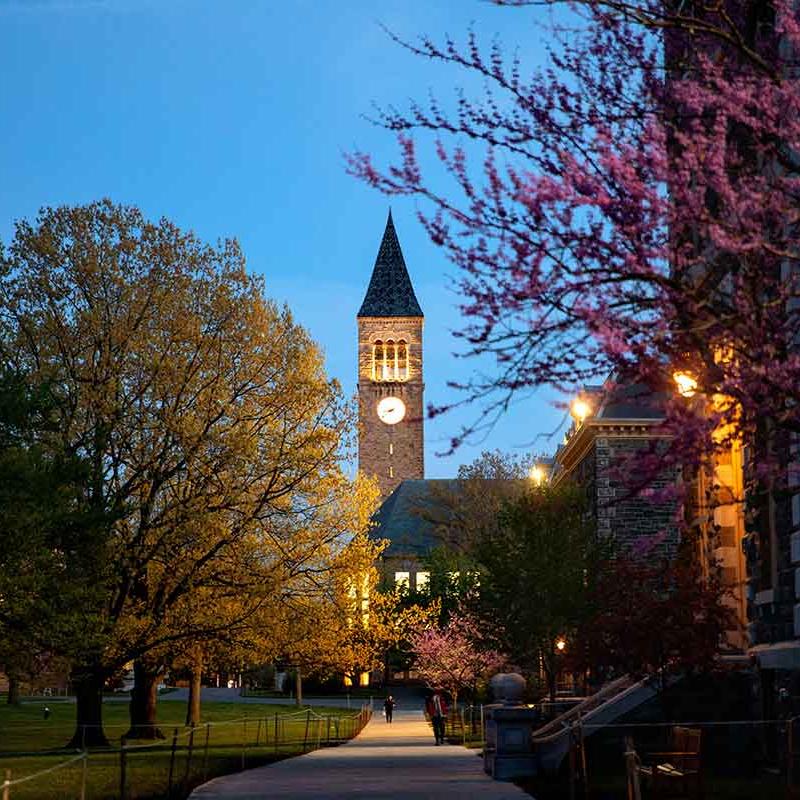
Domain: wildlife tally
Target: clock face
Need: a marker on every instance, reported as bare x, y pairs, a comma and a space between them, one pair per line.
391, 410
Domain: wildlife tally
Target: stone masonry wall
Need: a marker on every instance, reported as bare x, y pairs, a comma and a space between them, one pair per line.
393, 453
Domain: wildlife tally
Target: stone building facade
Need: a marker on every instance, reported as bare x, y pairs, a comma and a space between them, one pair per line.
771, 548
595, 454
599, 454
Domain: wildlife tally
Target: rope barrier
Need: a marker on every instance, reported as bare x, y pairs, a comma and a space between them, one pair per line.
47, 771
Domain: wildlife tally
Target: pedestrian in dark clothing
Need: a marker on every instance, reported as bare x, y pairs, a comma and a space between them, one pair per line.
388, 708
436, 708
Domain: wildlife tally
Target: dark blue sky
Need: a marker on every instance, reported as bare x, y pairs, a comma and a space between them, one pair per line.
230, 117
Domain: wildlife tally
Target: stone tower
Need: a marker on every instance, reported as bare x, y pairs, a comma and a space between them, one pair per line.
390, 386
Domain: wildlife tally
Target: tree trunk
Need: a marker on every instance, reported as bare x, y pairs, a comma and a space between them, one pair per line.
143, 703
13, 689
195, 686
298, 678
88, 683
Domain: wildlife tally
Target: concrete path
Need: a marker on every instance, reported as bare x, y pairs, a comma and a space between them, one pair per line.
385, 761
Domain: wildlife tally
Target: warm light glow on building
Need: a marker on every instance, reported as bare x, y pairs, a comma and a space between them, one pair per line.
580, 409
402, 579
537, 474
687, 385
390, 360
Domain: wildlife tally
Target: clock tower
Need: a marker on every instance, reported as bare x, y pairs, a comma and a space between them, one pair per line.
390, 386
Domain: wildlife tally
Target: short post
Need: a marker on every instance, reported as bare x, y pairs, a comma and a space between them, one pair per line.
187, 773
172, 761
205, 752
258, 732
582, 753
305, 735
84, 770
572, 765
276, 733
328, 734
7, 785
463, 729
123, 767
483, 730
634, 790
244, 742
790, 754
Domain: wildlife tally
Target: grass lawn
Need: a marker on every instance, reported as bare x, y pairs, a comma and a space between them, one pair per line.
236, 732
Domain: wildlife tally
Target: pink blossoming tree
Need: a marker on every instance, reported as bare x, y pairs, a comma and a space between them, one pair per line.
452, 656
631, 210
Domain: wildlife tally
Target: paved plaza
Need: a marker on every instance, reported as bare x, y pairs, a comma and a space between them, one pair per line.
385, 761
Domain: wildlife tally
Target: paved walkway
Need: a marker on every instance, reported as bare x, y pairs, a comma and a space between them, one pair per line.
385, 761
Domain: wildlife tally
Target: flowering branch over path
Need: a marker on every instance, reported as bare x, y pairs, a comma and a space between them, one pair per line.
631, 209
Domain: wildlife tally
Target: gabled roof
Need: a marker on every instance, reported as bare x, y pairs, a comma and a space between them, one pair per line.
390, 293
406, 517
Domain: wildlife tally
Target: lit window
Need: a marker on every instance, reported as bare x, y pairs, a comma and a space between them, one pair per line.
423, 579
391, 449
390, 356
402, 360
378, 360
390, 360
391, 472
402, 579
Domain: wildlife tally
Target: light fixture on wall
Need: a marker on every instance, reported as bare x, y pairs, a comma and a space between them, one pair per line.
580, 409
686, 383
537, 474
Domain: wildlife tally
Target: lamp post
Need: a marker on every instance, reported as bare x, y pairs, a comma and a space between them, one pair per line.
537, 474
580, 409
686, 383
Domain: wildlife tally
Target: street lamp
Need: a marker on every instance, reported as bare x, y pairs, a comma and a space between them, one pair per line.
686, 383
537, 474
580, 409
560, 645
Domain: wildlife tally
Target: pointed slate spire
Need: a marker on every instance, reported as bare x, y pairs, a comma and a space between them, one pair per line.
390, 293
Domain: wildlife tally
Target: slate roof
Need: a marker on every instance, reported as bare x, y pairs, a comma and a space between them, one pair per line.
390, 293
631, 401
406, 517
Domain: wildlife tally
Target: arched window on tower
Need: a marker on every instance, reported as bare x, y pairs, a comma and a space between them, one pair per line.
390, 362
378, 360
402, 360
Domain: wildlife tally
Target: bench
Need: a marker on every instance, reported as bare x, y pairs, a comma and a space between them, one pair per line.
675, 772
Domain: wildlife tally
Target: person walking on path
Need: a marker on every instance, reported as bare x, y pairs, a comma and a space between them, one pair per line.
436, 708
388, 708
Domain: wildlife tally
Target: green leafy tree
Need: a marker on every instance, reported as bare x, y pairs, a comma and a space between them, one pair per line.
51, 575
537, 571
201, 414
463, 512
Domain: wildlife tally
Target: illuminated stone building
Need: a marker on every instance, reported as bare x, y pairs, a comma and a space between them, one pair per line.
607, 431
599, 454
